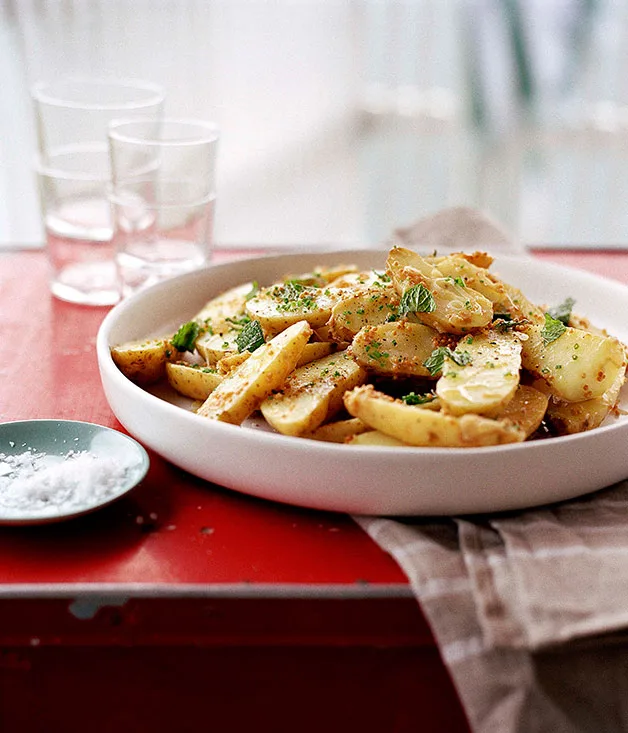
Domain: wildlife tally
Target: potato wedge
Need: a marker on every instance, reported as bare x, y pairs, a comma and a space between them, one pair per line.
143, 362
311, 351
194, 381
374, 437
526, 409
312, 394
214, 346
216, 314
241, 392
576, 417
283, 304
427, 428
577, 365
488, 381
479, 279
338, 431
399, 348
322, 276
368, 306
456, 308
358, 279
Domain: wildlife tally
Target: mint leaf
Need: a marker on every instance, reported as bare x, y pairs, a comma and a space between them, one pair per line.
250, 337
552, 329
417, 299
434, 363
185, 338
562, 312
253, 291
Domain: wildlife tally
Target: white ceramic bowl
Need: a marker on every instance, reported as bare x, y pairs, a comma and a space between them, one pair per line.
362, 479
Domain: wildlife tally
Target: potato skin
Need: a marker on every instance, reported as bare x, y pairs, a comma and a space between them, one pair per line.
143, 362
195, 382
427, 428
577, 366
241, 392
399, 348
312, 394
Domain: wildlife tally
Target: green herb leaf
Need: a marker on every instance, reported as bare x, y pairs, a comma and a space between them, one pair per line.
552, 329
253, 291
412, 398
562, 312
507, 324
238, 322
185, 338
250, 337
417, 299
434, 363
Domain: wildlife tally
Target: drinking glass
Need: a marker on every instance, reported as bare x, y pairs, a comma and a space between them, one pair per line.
163, 197
73, 170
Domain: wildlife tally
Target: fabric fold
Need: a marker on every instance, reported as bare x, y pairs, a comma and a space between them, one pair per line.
529, 610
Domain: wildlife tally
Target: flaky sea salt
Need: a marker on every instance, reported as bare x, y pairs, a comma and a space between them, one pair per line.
38, 483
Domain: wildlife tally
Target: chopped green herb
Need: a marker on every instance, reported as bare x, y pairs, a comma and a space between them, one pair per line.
552, 329
250, 337
373, 352
238, 322
417, 299
412, 398
434, 363
562, 312
185, 338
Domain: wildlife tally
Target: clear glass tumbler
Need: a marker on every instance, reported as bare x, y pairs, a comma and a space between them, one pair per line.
163, 198
74, 173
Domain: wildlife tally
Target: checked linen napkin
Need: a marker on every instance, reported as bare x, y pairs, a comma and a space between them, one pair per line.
529, 608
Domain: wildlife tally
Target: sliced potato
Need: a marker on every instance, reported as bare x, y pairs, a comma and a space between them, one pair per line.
216, 314
526, 409
479, 279
311, 351
194, 381
399, 348
214, 346
143, 362
488, 381
420, 427
364, 277
578, 365
283, 304
322, 276
365, 306
312, 394
229, 362
338, 431
457, 308
575, 417
374, 437
241, 392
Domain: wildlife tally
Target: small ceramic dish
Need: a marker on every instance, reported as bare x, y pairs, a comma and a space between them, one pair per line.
57, 469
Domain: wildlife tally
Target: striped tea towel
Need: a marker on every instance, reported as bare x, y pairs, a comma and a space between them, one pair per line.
529, 610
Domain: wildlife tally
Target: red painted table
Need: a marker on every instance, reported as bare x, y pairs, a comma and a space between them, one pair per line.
185, 604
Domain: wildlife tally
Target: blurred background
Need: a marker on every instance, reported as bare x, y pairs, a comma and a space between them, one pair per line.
344, 119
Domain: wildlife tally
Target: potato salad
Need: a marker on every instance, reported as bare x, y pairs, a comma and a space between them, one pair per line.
433, 351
